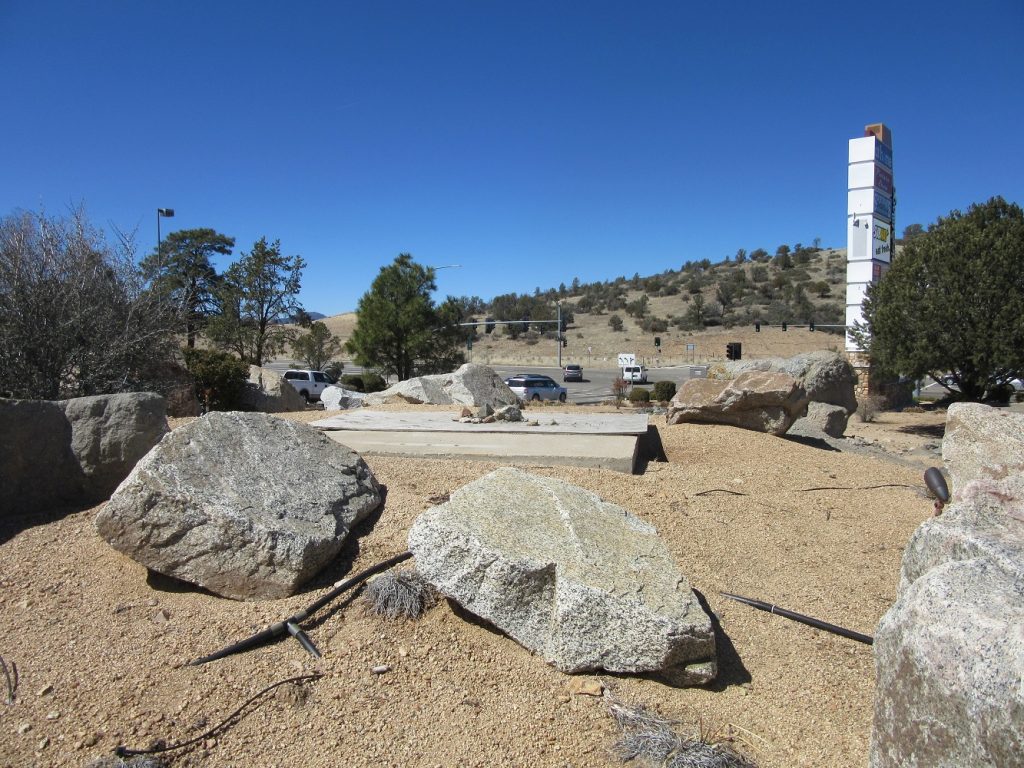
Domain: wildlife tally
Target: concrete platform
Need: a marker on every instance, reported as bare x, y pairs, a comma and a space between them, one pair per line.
601, 440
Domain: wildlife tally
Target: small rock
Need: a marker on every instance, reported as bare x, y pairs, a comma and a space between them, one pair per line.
587, 687
466, 420
53, 715
210, 743
466, 413
380, 669
403, 651
45, 690
24, 728
161, 617
152, 602
533, 423
43, 743
90, 740
488, 419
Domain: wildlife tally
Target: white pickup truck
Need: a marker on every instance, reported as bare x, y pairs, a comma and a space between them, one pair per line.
309, 384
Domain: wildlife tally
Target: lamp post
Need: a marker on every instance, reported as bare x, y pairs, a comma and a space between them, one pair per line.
166, 213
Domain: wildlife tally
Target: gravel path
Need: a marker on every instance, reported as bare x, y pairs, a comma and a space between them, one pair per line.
100, 646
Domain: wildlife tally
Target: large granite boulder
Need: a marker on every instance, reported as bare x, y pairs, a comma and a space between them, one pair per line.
949, 654
471, 384
110, 433
71, 452
569, 576
268, 391
765, 402
827, 377
246, 505
341, 399
982, 442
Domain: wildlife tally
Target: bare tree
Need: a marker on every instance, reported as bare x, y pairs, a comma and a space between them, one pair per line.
75, 315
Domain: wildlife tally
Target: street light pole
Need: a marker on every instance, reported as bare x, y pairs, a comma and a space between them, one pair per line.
166, 213
558, 335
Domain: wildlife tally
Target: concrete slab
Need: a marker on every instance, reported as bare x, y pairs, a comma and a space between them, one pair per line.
433, 421
618, 452
608, 440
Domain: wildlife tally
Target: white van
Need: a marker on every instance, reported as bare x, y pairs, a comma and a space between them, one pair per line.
635, 374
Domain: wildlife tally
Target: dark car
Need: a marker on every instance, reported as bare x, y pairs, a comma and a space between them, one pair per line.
535, 387
572, 372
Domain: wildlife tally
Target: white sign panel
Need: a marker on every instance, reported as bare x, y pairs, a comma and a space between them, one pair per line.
626, 359
881, 240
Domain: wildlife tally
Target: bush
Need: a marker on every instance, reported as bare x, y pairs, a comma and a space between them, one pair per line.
639, 395
664, 390
868, 408
353, 381
220, 378
374, 382
619, 388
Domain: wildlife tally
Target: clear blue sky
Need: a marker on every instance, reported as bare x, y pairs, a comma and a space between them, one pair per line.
530, 142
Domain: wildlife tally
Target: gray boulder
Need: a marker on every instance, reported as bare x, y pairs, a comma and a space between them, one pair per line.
827, 377
110, 433
949, 654
821, 419
341, 399
471, 384
267, 391
72, 452
982, 442
37, 467
567, 575
757, 400
246, 505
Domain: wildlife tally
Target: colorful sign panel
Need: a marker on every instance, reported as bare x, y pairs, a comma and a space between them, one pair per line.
883, 179
883, 205
883, 154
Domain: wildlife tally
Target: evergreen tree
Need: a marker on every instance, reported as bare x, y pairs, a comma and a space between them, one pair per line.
953, 301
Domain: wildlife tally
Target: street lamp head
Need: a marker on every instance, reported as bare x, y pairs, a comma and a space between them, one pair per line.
165, 212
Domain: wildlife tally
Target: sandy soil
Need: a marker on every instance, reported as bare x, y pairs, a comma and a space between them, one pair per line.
99, 645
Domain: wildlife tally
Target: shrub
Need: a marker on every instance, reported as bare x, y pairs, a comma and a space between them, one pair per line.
664, 390
220, 378
619, 388
639, 395
374, 382
868, 408
353, 382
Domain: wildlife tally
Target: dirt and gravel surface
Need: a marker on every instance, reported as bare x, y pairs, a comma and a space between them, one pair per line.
100, 646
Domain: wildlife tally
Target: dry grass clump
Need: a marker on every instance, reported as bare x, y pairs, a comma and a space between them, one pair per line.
651, 740
138, 761
399, 594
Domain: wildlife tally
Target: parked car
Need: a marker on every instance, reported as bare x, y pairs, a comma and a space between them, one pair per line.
309, 384
536, 387
572, 372
635, 374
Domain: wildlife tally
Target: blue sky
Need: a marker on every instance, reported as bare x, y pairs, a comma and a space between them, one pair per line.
529, 142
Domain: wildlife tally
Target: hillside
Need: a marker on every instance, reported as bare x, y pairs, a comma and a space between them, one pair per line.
731, 297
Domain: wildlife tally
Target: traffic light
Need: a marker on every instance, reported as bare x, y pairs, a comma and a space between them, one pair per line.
810, 326
728, 351
783, 326
734, 350
469, 343
657, 341
565, 342
757, 327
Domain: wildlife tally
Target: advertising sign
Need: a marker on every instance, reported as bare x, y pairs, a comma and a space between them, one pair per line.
881, 241
883, 154
883, 205
883, 179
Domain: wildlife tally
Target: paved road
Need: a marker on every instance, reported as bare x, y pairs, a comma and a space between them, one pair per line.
595, 388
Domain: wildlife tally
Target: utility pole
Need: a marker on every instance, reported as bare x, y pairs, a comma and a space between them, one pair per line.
558, 336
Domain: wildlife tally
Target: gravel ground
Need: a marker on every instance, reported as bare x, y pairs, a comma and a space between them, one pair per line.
100, 646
